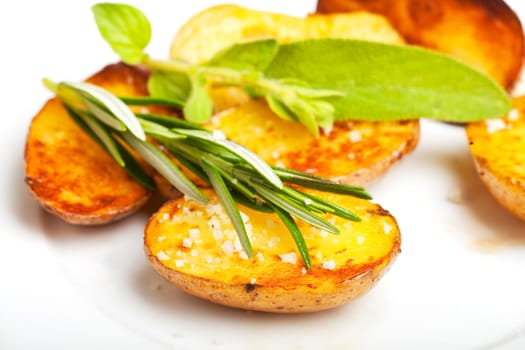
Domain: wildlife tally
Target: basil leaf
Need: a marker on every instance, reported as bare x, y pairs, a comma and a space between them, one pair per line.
125, 28
387, 82
199, 106
253, 55
175, 86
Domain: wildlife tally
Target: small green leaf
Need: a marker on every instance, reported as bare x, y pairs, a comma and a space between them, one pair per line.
254, 55
199, 106
229, 205
387, 82
125, 28
279, 108
175, 86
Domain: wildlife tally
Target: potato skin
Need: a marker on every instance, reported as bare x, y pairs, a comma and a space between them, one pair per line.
68, 173
498, 151
484, 33
361, 253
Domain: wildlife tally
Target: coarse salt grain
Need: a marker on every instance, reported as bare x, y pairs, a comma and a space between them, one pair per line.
252, 281
209, 259
351, 156
303, 270
179, 262
161, 238
273, 241
323, 233
227, 247
162, 256
166, 216
195, 233
329, 264
387, 228
354, 136
214, 223
360, 239
260, 256
212, 209
494, 125
243, 255
319, 255
245, 218
217, 235
275, 154
307, 201
289, 258
514, 114
194, 252
187, 242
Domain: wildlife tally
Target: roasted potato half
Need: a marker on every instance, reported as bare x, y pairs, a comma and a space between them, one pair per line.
218, 27
353, 152
498, 150
68, 173
195, 247
486, 34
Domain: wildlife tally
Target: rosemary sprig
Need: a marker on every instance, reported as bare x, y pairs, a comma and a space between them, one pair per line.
235, 173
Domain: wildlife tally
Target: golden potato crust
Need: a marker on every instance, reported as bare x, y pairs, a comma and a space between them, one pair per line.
353, 152
195, 248
498, 149
68, 173
484, 33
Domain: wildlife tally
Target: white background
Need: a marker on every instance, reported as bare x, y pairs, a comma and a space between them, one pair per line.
458, 283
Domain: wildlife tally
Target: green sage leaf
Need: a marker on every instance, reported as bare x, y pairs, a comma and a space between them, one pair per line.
254, 55
174, 86
387, 82
125, 28
199, 106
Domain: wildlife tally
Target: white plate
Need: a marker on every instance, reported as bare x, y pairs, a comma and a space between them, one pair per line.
458, 283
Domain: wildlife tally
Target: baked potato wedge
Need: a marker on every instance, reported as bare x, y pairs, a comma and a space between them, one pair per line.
498, 149
486, 34
68, 173
352, 152
220, 26
195, 247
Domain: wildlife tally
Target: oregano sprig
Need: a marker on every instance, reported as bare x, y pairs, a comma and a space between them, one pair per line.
314, 82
